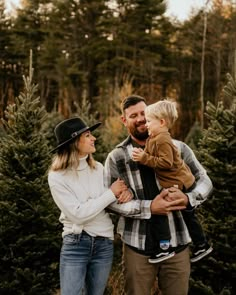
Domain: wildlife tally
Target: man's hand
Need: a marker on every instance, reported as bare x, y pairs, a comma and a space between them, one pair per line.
167, 201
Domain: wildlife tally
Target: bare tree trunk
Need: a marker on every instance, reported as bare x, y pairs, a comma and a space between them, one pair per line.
218, 71
234, 65
202, 68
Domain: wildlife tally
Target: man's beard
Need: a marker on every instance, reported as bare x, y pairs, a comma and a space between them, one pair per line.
137, 134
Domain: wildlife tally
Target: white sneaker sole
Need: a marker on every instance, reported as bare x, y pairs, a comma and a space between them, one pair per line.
195, 259
157, 260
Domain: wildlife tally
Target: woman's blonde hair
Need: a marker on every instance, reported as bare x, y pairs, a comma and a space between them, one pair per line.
163, 109
67, 157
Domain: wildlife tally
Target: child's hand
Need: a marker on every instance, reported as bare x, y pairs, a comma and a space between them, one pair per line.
125, 196
137, 154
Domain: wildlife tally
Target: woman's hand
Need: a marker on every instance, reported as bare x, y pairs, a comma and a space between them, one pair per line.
118, 187
125, 196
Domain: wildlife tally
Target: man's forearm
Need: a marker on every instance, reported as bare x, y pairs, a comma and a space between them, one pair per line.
138, 209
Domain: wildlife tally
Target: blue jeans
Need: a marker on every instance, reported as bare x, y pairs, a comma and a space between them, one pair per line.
85, 264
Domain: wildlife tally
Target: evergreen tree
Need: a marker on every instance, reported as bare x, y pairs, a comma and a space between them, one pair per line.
217, 152
48, 127
29, 238
193, 137
141, 37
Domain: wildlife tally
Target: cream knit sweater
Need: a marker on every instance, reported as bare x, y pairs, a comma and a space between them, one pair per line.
81, 196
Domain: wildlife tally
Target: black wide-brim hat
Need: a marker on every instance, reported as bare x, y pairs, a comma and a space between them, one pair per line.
69, 129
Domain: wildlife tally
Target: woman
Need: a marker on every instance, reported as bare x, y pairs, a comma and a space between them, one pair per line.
76, 184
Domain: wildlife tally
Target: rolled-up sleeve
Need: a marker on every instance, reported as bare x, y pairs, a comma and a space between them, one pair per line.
204, 187
138, 209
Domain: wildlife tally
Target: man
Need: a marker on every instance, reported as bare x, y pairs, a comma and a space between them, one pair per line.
140, 275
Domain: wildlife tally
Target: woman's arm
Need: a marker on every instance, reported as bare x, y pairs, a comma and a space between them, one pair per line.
78, 212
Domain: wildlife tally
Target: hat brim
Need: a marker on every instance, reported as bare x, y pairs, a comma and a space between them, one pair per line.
93, 127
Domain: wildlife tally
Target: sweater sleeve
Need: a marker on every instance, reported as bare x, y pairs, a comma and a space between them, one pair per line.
78, 212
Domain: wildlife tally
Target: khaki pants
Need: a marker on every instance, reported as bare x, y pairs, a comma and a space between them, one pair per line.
140, 275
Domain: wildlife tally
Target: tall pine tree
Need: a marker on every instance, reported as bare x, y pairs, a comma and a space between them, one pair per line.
29, 238
217, 150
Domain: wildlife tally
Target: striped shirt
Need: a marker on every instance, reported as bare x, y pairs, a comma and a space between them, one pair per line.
134, 214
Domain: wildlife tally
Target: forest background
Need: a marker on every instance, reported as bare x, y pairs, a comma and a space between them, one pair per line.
87, 56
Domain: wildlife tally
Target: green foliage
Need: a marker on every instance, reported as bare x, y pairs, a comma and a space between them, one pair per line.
48, 127
194, 135
229, 90
2, 133
29, 234
217, 153
198, 288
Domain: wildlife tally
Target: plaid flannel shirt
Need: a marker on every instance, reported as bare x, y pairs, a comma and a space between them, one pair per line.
133, 215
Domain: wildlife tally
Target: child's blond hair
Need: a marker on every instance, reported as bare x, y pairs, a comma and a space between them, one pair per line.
163, 109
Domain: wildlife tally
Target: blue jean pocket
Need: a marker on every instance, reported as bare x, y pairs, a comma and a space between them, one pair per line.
71, 239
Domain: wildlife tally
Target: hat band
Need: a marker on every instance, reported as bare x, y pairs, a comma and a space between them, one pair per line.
76, 133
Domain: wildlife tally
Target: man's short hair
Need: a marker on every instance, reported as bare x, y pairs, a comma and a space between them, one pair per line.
130, 101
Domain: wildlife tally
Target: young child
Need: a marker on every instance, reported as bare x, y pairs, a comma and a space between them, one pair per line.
161, 154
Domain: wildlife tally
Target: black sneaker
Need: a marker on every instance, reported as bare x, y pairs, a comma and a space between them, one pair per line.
200, 251
161, 256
